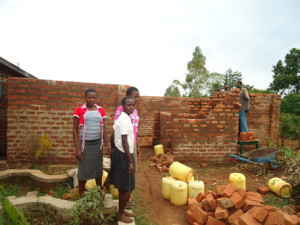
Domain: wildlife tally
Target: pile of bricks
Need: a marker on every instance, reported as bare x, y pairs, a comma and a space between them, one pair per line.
162, 162
231, 205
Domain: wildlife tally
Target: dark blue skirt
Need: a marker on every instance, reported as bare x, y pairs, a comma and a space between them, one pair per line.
119, 176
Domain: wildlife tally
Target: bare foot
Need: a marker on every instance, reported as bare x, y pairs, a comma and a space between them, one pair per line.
123, 218
128, 214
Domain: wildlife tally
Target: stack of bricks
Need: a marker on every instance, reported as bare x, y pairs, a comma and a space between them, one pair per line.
231, 205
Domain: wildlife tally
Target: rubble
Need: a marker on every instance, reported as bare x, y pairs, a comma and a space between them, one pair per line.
232, 205
162, 162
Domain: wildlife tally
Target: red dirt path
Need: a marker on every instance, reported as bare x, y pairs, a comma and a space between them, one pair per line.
162, 212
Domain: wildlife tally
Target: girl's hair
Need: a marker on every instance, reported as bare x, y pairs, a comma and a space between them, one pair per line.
130, 90
124, 100
89, 90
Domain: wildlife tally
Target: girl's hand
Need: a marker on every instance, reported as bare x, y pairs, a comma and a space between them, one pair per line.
79, 155
130, 168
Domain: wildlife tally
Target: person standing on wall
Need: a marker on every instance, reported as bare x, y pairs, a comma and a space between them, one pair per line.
122, 171
134, 93
244, 102
89, 125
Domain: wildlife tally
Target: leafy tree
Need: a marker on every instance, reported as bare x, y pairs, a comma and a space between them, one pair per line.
231, 77
290, 104
195, 80
197, 75
173, 90
286, 77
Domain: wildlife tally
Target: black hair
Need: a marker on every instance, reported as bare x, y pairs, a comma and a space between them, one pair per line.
124, 100
89, 90
130, 90
239, 81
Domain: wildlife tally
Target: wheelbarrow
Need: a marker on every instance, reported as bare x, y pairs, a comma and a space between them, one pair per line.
264, 158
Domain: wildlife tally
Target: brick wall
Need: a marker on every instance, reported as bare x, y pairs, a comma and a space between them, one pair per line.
46, 107
199, 129
3, 120
209, 132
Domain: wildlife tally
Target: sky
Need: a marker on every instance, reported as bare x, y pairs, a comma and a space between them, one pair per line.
147, 44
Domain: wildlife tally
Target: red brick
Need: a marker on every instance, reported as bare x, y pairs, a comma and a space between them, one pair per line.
263, 190
189, 216
237, 200
195, 223
248, 219
219, 189
288, 209
213, 221
230, 188
236, 222
224, 202
199, 215
206, 206
194, 205
289, 219
259, 213
249, 204
254, 196
233, 217
241, 192
269, 208
212, 193
274, 218
200, 197
190, 201
221, 213
211, 201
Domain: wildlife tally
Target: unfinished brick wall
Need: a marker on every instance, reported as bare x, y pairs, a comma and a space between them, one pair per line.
46, 107
198, 129
209, 132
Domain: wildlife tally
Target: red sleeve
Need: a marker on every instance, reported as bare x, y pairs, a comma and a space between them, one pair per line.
76, 112
103, 113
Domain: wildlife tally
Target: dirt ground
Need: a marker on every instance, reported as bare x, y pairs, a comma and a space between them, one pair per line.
162, 212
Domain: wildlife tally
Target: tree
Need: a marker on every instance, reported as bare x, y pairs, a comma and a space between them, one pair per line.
286, 77
231, 77
173, 89
197, 75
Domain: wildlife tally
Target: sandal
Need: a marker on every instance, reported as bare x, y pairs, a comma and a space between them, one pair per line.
131, 203
128, 206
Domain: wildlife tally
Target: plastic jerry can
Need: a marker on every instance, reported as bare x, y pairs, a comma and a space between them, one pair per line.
280, 187
194, 188
92, 182
114, 191
159, 149
178, 195
108, 201
181, 171
166, 187
239, 179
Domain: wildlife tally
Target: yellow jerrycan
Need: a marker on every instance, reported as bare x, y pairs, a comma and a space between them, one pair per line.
280, 187
114, 191
166, 187
178, 196
239, 179
92, 182
181, 171
194, 188
159, 149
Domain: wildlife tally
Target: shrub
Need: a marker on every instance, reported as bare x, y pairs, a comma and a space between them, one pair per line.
89, 209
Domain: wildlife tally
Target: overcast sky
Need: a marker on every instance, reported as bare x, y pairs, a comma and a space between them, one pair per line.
147, 44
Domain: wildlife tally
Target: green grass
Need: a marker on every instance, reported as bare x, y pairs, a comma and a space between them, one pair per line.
274, 200
139, 210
